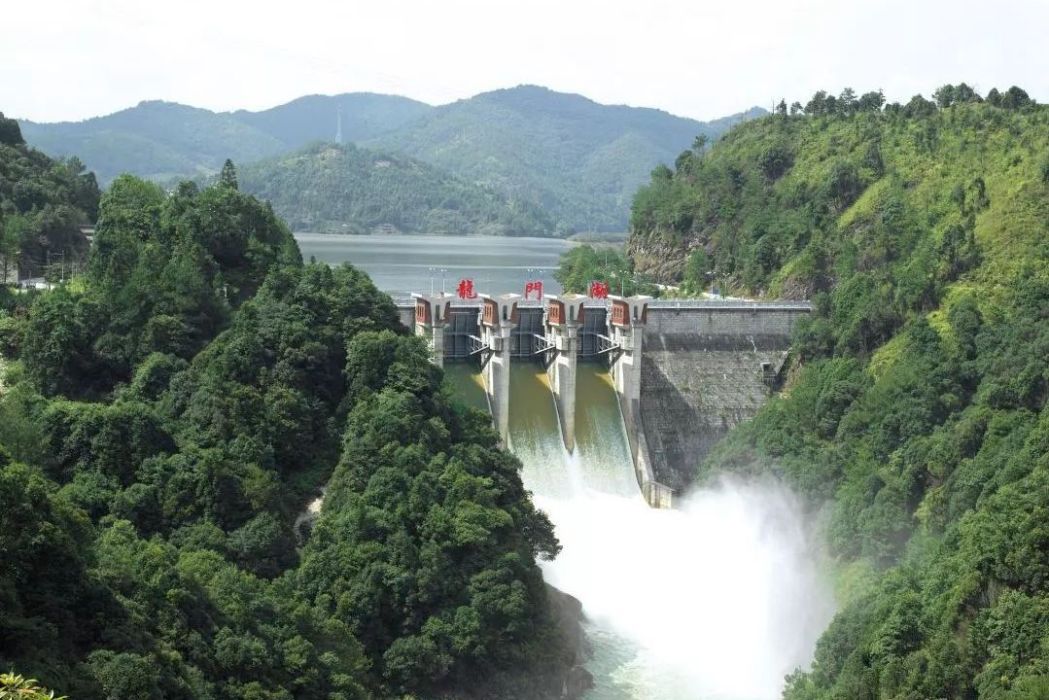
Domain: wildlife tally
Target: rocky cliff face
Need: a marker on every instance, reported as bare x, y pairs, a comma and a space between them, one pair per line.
569, 613
658, 258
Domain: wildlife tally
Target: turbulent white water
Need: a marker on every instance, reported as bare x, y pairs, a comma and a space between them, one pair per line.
717, 599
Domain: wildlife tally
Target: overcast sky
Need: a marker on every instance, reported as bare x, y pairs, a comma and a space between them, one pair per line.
696, 58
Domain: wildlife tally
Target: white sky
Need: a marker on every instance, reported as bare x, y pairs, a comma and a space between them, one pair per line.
696, 58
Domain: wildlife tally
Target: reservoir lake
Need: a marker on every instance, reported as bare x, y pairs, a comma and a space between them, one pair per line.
401, 265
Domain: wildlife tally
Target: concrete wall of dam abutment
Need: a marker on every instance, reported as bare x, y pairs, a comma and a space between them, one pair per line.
706, 368
725, 318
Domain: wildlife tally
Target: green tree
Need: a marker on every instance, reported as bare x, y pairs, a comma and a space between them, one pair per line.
12, 229
698, 270
847, 101
228, 176
871, 101
10, 133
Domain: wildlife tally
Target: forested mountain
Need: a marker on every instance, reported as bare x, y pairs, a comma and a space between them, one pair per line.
312, 118
575, 159
579, 160
43, 204
346, 189
914, 411
161, 140
162, 422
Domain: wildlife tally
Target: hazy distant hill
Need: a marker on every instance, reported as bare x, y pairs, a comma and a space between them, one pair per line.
313, 117
580, 160
160, 140
346, 189
153, 139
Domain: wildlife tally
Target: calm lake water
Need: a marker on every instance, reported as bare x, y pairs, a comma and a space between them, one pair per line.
404, 264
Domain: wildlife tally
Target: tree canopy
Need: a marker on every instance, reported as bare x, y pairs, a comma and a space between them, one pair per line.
43, 204
164, 421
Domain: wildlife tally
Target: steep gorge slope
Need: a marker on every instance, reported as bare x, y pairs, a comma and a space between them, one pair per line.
915, 412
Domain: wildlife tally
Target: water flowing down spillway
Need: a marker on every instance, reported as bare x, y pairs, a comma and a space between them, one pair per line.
717, 599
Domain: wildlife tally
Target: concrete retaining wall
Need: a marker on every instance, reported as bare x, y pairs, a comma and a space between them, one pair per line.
705, 370
406, 313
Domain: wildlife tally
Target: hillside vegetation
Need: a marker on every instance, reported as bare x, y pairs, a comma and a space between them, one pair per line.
43, 204
345, 189
166, 417
578, 160
915, 410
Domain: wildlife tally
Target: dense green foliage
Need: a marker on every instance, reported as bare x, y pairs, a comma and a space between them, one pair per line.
916, 407
576, 159
345, 189
165, 420
43, 203
584, 264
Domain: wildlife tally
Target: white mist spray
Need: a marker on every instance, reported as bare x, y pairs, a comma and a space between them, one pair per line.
717, 599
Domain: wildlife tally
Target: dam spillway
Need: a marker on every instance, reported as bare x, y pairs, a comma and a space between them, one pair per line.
601, 460
684, 372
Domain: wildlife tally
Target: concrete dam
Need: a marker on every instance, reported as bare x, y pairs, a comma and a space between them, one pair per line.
609, 405
683, 372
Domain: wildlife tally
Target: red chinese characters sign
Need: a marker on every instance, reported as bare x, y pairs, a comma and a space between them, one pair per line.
534, 287
466, 289
556, 313
598, 290
490, 315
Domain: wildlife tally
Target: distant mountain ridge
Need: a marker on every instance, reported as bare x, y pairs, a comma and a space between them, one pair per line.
162, 140
580, 160
155, 139
576, 159
363, 115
